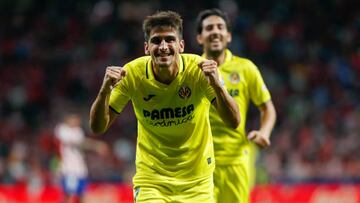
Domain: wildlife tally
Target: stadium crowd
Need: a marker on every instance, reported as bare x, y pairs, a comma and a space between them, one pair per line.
54, 53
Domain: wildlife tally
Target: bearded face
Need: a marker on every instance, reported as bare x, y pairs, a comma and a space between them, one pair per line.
214, 36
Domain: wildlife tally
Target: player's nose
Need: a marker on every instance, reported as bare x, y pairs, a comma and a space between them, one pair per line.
163, 45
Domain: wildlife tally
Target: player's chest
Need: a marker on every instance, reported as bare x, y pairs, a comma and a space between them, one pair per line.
235, 81
179, 94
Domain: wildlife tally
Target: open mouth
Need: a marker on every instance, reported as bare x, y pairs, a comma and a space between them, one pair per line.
215, 40
163, 55
215, 37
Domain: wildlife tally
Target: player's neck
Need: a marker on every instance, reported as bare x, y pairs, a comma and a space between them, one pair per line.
219, 58
166, 74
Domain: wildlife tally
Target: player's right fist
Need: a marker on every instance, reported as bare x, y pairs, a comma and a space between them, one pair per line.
113, 75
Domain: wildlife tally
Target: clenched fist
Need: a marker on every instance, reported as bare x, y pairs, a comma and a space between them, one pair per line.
210, 69
112, 76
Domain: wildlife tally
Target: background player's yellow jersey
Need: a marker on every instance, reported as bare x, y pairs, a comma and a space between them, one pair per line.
174, 135
244, 83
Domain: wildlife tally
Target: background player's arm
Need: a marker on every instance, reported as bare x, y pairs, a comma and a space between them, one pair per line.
97, 146
224, 103
101, 117
267, 121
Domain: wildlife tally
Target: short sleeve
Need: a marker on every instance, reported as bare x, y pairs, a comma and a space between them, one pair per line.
259, 93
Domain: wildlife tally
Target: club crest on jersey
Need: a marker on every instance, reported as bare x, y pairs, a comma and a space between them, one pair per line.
184, 92
234, 78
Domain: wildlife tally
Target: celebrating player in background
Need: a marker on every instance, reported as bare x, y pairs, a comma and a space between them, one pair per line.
171, 94
244, 83
72, 141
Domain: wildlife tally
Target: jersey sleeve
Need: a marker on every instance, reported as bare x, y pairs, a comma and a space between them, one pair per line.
121, 93
259, 93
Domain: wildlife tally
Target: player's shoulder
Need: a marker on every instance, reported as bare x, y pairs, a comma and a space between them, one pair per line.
191, 62
141, 61
138, 65
245, 64
243, 61
191, 59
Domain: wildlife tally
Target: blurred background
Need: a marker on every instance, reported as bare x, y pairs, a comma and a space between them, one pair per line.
53, 55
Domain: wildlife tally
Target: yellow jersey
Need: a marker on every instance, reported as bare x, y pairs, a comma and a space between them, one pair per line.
174, 136
244, 83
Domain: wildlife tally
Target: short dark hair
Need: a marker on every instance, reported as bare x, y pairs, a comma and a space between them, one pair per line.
212, 12
163, 19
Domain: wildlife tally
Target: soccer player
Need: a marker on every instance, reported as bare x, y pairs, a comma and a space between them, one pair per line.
244, 83
171, 94
71, 140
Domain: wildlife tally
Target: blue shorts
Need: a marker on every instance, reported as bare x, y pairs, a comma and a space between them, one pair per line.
73, 185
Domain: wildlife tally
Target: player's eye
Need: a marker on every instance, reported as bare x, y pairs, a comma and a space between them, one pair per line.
209, 27
170, 39
155, 40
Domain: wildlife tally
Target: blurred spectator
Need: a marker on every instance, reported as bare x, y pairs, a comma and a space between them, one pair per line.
73, 169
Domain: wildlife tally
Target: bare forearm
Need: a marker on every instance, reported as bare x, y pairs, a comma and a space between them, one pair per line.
268, 118
227, 108
225, 104
99, 113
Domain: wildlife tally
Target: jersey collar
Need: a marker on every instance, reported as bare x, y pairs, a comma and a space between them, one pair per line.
228, 55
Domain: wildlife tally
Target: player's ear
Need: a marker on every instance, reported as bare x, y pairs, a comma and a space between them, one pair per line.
229, 37
181, 46
146, 48
199, 39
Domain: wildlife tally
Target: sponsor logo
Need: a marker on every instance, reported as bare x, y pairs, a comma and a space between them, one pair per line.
148, 97
169, 116
234, 78
184, 92
166, 113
